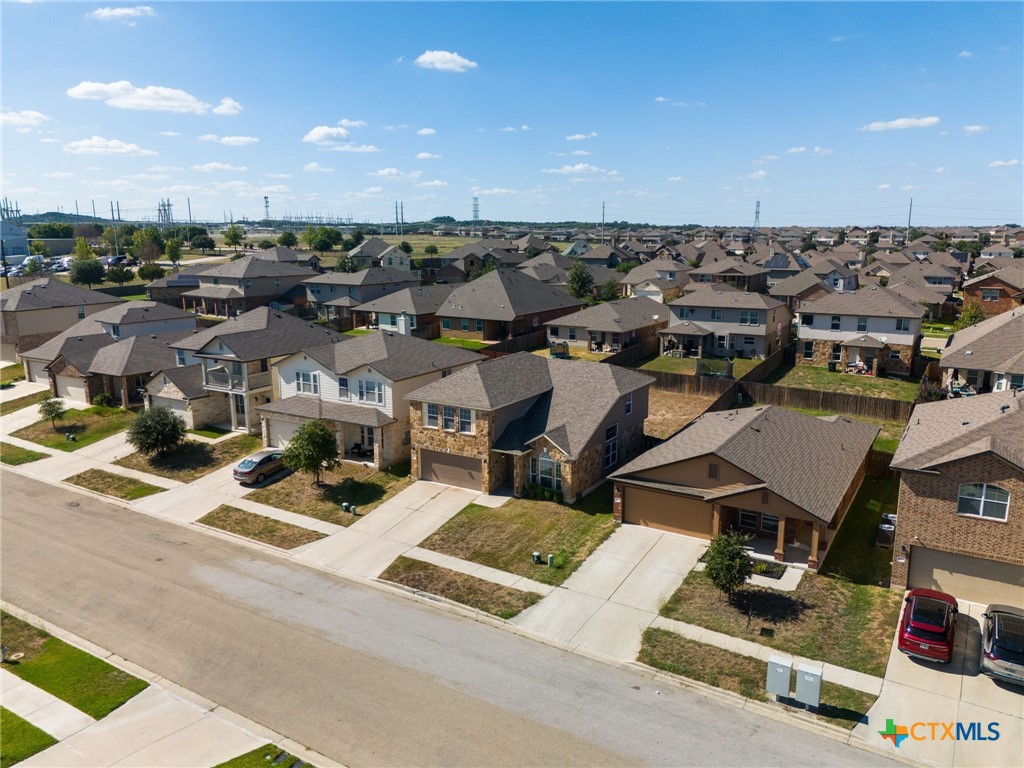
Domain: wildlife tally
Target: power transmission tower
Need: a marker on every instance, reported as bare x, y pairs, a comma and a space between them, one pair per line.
757, 221
476, 209
266, 208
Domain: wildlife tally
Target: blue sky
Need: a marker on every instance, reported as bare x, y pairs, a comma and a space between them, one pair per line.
827, 113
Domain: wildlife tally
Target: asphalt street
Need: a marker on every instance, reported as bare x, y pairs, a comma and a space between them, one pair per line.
363, 676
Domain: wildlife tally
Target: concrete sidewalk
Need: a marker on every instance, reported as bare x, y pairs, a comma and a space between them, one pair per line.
40, 708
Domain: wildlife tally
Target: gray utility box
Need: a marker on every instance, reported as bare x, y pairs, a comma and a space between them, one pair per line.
808, 685
780, 671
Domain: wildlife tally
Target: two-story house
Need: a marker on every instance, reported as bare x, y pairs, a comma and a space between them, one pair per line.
226, 290
960, 517
718, 321
610, 326
368, 253
501, 304
869, 330
333, 296
523, 420
357, 386
998, 291
988, 356
731, 272
284, 255
418, 305
803, 286
656, 272
835, 273
935, 277
234, 359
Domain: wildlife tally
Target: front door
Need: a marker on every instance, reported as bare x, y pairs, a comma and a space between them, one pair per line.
238, 406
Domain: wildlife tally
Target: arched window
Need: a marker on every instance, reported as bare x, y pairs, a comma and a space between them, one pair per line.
983, 500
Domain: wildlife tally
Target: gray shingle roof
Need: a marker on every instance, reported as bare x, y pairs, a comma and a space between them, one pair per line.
187, 378
865, 302
622, 315
716, 296
1012, 275
215, 292
798, 283
371, 276
948, 430
80, 350
259, 334
370, 248
505, 294
395, 356
315, 408
995, 344
250, 267
650, 270
806, 460
422, 300
137, 355
49, 292
728, 265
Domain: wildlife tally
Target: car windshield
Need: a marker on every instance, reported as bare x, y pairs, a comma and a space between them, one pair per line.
1009, 633
926, 612
247, 464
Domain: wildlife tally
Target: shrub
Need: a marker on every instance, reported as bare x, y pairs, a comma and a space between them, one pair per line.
728, 564
157, 430
103, 399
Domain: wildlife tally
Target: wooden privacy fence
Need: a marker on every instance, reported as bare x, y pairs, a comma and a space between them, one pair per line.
760, 371
523, 343
834, 402
634, 352
878, 465
705, 386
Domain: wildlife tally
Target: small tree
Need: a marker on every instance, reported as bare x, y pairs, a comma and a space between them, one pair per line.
404, 247
156, 430
234, 236
972, 314
32, 266
39, 248
609, 290
265, 244
52, 408
728, 564
430, 250
172, 250
312, 449
579, 281
204, 243
151, 272
86, 270
119, 275
288, 239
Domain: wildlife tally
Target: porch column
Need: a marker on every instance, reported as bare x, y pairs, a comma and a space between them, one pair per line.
812, 558
716, 519
124, 392
780, 541
231, 409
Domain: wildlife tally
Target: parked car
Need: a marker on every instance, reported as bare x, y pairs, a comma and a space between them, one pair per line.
1002, 643
928, 625
256, 468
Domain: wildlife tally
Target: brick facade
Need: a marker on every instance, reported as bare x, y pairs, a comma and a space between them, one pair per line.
927, 516
61, 367
1006, 302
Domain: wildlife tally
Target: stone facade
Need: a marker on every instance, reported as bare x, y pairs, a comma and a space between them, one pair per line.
476, 445
926, 514
821, 356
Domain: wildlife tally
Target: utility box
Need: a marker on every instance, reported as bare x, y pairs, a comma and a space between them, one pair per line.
808, 685
780, 671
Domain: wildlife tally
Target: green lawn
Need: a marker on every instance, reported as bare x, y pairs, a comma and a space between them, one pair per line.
20, 739
813, 377
687, 366
853, 555
259, 528
89, 425
10, 406
211, 432
261, 757
890, 431
940, 330
825, 618
13, 372
119, 486
14, 454
134, 297
505, 538
192, 459
73, 676
463, 343
357, 332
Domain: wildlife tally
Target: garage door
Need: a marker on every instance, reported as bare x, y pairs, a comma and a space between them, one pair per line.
8, 352
177, 407
450, 469
666, 512
36, 371
967, 578
71, 388
280, 432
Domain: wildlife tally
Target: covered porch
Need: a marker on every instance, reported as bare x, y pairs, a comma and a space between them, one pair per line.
861, 355
217, 301
686, 339
775, 535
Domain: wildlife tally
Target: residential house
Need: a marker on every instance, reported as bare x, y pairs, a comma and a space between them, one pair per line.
870, 330
606, 256
182, 390
169, 288
662, 270
527, 243
996, 251
226, 290
935, 276
848, 254
368, 253
408, 311
523, 420
661, 290
611, 326
801, 287
732, 272
724, 322
357, 387
988, 356
825, 237
501, 304
785, 478
578, 248
333, 295
997, 292
235, 357
782, 266
38, 310
960, 517
858, 236
937, 303
835, 273
284, 255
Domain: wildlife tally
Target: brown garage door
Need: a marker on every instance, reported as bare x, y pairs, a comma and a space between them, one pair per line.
451, 469
666, 512
967, 578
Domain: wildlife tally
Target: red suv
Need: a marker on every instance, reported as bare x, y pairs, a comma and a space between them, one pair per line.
928, 626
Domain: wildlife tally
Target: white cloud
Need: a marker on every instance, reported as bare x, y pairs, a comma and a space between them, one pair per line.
168, 133
426, 132
346, 123
566, 170
756, 175
383, 173
508, 129
207, 167
436, 183
525, 128
125, 16
495, 191
838, 39
581, 136
765, 159
908, 187
208, 137
316, 168
884, 186
1004, 163
821, 151
59, 175
941, 169
278, 175
445, 61
688, 104
160, 168
238, 141
325, 135
358, 148
964, 55
900, 124
49, 141
427, 156
675, 178
26, 118
123, 95
227, 107
796, 150
579, 153
972, 130
662, 99
100, 146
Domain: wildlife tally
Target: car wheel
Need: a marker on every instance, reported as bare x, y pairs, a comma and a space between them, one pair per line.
260, 477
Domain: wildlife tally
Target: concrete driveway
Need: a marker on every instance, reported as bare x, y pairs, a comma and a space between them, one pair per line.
923, 692
615, 595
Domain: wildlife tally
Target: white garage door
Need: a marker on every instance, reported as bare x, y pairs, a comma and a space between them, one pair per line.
36, 372
71, 389
179, 407
967, 578
8, 352
280, 432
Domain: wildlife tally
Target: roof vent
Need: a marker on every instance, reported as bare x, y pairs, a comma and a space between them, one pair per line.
964, 423
1004, 408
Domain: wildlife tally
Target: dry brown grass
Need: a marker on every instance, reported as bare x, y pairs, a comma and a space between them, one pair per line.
575, 353
668, 412
259, 528
120, 486
498, 600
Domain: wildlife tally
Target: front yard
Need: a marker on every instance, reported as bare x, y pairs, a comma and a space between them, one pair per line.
259, 528
853, 555
834, 621
668, 412
119, 486
192, 460
364, 487
10, 406
89, 425
15, 454
813, 377
505, 538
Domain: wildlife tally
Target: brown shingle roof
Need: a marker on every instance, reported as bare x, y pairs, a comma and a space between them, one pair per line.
49, 292
396, 356
869, 302
622, 315
259, 334
505, 294
995, 344
315, 408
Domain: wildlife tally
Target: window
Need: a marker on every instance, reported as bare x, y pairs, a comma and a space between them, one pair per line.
716, 314
115, 331
546, 472
766, 497
837, 353
684, 313
1017, 381
713, 471
343, 387
446, 372
806, 319
611, 445
983, 500
808, 350
750, 317
553, 331
430, 419
314, 289
835, 322
448, 417
367, 437
862, 324
465, 324
720, 342
371, 391
479, 326
466, 421
732, 341
572, 334
248, 283
629, 403
307, 383
277, 282
770, 523
748, 520
902, 323
990, 294
748, 341
216, 281
81, 313
894, 354
703, 278
446, 324
181, 356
